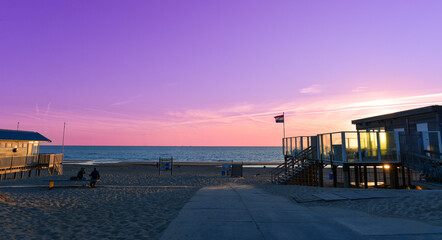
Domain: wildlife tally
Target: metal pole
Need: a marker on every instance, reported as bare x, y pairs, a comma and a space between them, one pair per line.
62, 144
283, 124
18, 125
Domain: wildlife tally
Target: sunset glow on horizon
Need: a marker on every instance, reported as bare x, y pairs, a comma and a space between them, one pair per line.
206, 73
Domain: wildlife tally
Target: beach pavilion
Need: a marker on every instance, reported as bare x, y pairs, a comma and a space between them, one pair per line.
388, 150
19, 153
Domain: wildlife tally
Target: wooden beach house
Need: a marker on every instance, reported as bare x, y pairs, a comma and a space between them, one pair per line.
387, 150
409, 121
19, 154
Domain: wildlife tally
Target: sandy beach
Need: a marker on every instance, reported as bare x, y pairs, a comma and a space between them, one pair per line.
134, 202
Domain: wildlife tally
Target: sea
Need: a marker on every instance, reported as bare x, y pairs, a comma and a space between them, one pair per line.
113, 154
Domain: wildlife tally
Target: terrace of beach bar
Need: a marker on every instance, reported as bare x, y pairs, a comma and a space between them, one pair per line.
375, 155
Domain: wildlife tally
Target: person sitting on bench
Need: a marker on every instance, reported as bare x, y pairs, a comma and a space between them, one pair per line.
80, 175
95, 177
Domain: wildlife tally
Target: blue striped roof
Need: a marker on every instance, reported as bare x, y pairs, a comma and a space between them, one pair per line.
6, 134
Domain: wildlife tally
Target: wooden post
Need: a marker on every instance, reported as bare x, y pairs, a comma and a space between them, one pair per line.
346, 171
356, 176
285, 163
394, 177
365, 177
335, 177
404, 182
30, 172
15, 175
375, 176
384, 173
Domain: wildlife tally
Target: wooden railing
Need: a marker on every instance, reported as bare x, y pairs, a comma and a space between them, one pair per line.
291, 164
429, 167
42, 160
18, 162
50, 159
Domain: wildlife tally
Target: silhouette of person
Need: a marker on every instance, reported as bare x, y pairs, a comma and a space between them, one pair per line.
80, 174
95, 176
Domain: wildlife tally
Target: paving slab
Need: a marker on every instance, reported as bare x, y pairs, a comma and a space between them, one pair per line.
265, 198
371, 225
329, 196
250, 191
307, 231
281, 216
240, 212
407, 237
212, 231
214, 192
214, 215
221, 203
215, 198
285, 206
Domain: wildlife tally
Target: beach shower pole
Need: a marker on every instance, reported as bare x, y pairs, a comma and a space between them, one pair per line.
62, 143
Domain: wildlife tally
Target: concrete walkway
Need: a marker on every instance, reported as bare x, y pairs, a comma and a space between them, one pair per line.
244, 212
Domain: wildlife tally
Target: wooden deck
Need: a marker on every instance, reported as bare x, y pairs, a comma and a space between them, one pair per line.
24, 166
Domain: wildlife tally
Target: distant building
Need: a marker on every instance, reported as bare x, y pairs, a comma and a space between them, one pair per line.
19, 152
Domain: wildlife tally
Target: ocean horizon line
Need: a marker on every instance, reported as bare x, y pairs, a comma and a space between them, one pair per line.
179, 153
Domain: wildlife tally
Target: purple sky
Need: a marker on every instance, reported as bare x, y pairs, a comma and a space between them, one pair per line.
212, 72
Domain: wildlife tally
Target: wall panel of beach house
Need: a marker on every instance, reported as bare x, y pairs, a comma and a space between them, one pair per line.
407, 120
421, 127
19, 148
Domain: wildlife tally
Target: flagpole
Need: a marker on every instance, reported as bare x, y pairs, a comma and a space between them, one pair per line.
62, 143
283, 124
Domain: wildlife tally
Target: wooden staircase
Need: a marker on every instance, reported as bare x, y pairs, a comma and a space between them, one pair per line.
299, 169
430, 167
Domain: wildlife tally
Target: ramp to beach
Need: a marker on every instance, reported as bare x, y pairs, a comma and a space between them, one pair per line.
245, 212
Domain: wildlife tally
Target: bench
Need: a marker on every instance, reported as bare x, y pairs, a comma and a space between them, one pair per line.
73, 183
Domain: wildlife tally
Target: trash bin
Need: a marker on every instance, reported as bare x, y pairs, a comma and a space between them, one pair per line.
237, 170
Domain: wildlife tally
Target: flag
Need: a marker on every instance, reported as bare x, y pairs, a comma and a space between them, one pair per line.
279, 118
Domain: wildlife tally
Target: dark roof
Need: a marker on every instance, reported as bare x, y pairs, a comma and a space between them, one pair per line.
407, 113
22, 135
